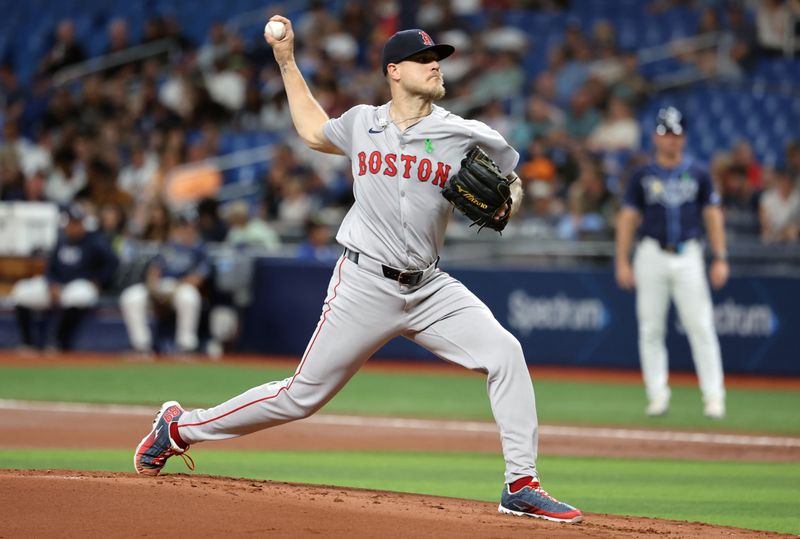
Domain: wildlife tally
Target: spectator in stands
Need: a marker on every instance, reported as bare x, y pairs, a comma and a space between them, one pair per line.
582, 117
11, 91
295, 205
591, 207
318, 245
80, 265
118, 38
65, 180
215, 47
742, 155
173, 281
779, 210
156, 223
65, 51
112, 225
137, 175
495, 117
544, 211
32, 157
244, 230
631, 87
793, 161
618, 130
571, 72
226, 84
540, 118
94, 105
739, 36
773, 18
283, 166
209, 223
60, 112
12, 180
101, 186
739, 201
274, 113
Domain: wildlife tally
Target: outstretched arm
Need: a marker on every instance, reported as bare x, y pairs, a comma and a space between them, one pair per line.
308, 115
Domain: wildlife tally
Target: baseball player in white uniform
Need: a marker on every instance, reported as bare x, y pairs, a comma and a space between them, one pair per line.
668, 199
387, 282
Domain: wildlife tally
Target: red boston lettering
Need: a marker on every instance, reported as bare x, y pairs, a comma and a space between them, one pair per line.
375, 162
442, 174
362, 163
424, 171
425, 167
391, 165
408, 160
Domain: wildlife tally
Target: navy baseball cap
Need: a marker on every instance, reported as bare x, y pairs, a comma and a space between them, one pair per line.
670, 120
408, 43
71, 212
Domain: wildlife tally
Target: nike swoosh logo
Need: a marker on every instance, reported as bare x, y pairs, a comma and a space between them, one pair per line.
375, 132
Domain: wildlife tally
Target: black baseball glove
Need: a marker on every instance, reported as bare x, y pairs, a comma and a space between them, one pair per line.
479, 190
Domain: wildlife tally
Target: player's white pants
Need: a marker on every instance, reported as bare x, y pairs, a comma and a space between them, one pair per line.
661, 276
34, 293
362, 312
135, 304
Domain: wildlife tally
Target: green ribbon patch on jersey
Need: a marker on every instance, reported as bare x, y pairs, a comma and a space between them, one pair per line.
428, 145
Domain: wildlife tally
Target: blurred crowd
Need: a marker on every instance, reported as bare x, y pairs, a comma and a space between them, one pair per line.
132, 144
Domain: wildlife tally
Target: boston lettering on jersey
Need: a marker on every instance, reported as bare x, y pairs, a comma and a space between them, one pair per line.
391, 165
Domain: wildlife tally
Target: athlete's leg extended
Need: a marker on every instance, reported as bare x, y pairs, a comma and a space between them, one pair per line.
456, 326
356, 320
696, 311
651, 272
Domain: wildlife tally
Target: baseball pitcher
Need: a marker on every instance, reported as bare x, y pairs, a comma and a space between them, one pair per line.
668, 200
412, 162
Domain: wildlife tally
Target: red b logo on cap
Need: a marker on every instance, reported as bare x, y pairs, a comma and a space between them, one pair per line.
426, 39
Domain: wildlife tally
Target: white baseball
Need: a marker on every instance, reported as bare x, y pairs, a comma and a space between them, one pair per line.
276, 29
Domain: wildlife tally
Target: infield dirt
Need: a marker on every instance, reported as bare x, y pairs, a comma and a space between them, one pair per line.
64, 503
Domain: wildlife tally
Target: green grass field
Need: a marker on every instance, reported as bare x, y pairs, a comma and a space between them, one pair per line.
753, 495
399, 394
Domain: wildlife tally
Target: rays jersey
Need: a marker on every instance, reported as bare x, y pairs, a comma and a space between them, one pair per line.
671, 201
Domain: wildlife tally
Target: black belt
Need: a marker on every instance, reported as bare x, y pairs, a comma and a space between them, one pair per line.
672, 247
406, 277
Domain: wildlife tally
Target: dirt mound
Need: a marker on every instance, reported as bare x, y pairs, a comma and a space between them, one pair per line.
62, 503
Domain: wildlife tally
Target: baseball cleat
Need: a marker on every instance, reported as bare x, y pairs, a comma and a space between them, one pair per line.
153, 451
533, 501
714, 409
657, 407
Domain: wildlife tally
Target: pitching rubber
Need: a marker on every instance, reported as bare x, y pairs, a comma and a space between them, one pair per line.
507, 511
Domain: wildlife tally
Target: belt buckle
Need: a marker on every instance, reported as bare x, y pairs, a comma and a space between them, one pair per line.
409, 277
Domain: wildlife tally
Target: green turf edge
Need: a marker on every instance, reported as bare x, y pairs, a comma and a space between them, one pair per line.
430, 395
759, 496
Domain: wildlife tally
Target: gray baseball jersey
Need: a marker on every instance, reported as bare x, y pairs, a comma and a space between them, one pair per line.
397, 223
399, 216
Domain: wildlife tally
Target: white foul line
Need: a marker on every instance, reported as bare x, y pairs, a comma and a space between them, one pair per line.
440, 425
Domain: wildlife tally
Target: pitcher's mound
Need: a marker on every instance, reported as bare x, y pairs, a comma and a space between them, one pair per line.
63, 503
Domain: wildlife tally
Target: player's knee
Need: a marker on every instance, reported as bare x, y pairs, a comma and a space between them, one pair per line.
133, 297
651, 332
223, 323
186, 296
80, 294
30, 293
507, 355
